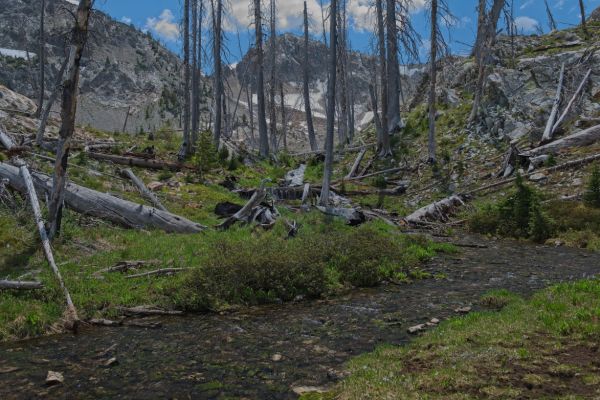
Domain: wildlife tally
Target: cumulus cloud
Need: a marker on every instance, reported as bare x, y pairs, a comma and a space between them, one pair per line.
164, 26
526, 24
289, 14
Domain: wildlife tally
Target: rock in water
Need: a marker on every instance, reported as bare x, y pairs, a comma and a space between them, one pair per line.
54, 378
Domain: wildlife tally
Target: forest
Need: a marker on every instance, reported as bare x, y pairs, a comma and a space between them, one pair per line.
317, 199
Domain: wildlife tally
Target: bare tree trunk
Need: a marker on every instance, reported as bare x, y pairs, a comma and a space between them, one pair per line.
283, 117
384, 139
260, 90
272, 78
128, 173
328, 168
586, 34
42, 59
432, 81
68, 112
186, 146
393, 71
549, 131
312, 139
551, 21
218, 69
481, 18
251, 111
341, 74
195, 76
378, 127
39, 139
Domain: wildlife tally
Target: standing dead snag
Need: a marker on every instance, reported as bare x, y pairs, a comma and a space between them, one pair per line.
71, 318
548, 132
432, 80
263, 136
312, 139
68, 112
572, 101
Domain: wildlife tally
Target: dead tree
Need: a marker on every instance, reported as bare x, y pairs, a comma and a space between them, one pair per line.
186, 146
263, 136
328, 167
548, 132
195, 109
565, 112
551, 21
283, 117
312, 139
384, 139
39, 138
272, 76
41, 60
486, 37
218, 70
128, 173
68, 112
586, 34
432, 80
341, 75
393, 68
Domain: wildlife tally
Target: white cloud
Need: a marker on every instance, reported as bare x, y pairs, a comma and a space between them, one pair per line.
164, 26
289, 14
126, 20
526, 24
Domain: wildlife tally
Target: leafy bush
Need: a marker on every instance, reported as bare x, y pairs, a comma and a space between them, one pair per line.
205, 157
592, 194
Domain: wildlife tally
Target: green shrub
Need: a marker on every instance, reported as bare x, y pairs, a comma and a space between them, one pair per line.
592, 194
485, 220
205, 157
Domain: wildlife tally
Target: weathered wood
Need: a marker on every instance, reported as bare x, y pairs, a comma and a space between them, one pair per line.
296, 176
351, 215
358, 178
20, 285
245, 214
138, 162
305, 193
579, 139
438, 211
356, 163
548, 132
141, 310
71, 313
143, 189
124, 266
572, 101
101, 205
6, 140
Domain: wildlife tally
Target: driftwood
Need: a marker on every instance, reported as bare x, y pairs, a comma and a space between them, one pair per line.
356, 163
20, 285
253, 211
71, 312
141, 310
352, 216
138, 162
579, 139
438, 211
571, 102
104, 206
143, 189
158, 272
548, 132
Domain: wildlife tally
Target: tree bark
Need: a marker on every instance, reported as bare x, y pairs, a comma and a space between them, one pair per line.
20, 285
137, 161
272, 77
438, 211
312, 139
283, 117
41, 60
586, 34
393, 70
564, 114
579, 139
195, 77
356, 163
263, 135
39, 138
328, 167
101, 205
68, 112
186, 146
432, 82
341, 75
549, 131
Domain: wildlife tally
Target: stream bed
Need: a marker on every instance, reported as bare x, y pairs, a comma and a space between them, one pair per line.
265, 352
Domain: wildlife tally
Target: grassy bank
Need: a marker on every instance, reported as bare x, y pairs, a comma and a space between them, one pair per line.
545, 347
242, 266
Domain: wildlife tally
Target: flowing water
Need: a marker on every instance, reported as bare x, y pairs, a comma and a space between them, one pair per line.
263, 352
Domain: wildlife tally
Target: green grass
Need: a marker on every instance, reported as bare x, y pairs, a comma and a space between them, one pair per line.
545, 347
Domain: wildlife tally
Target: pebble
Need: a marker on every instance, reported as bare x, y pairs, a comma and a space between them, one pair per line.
54, 378
277, 357
463, 310
417, 328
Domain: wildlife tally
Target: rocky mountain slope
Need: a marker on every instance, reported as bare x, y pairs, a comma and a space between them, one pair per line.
123, 69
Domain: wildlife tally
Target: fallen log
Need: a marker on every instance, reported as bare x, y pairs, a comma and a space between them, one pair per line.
20, 285
71, 317
356, 163
143, 189
572, 101
438, 211
579, 139
124, 266
246, 213
358, 178
158, 272
96, 204
352, 216
548, 132
138, 162
141, 310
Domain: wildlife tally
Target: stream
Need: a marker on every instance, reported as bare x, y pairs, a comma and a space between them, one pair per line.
264, 352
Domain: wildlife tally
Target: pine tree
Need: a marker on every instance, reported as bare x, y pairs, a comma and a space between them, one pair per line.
592, 194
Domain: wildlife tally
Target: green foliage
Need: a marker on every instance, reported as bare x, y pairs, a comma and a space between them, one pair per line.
592, 194
223, 154
205, 157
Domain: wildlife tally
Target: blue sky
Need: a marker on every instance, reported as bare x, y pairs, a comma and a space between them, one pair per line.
162, 17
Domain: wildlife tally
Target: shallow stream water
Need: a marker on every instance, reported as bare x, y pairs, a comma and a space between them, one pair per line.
264, 352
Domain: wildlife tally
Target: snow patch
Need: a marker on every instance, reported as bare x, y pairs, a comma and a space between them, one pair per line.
16, 53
